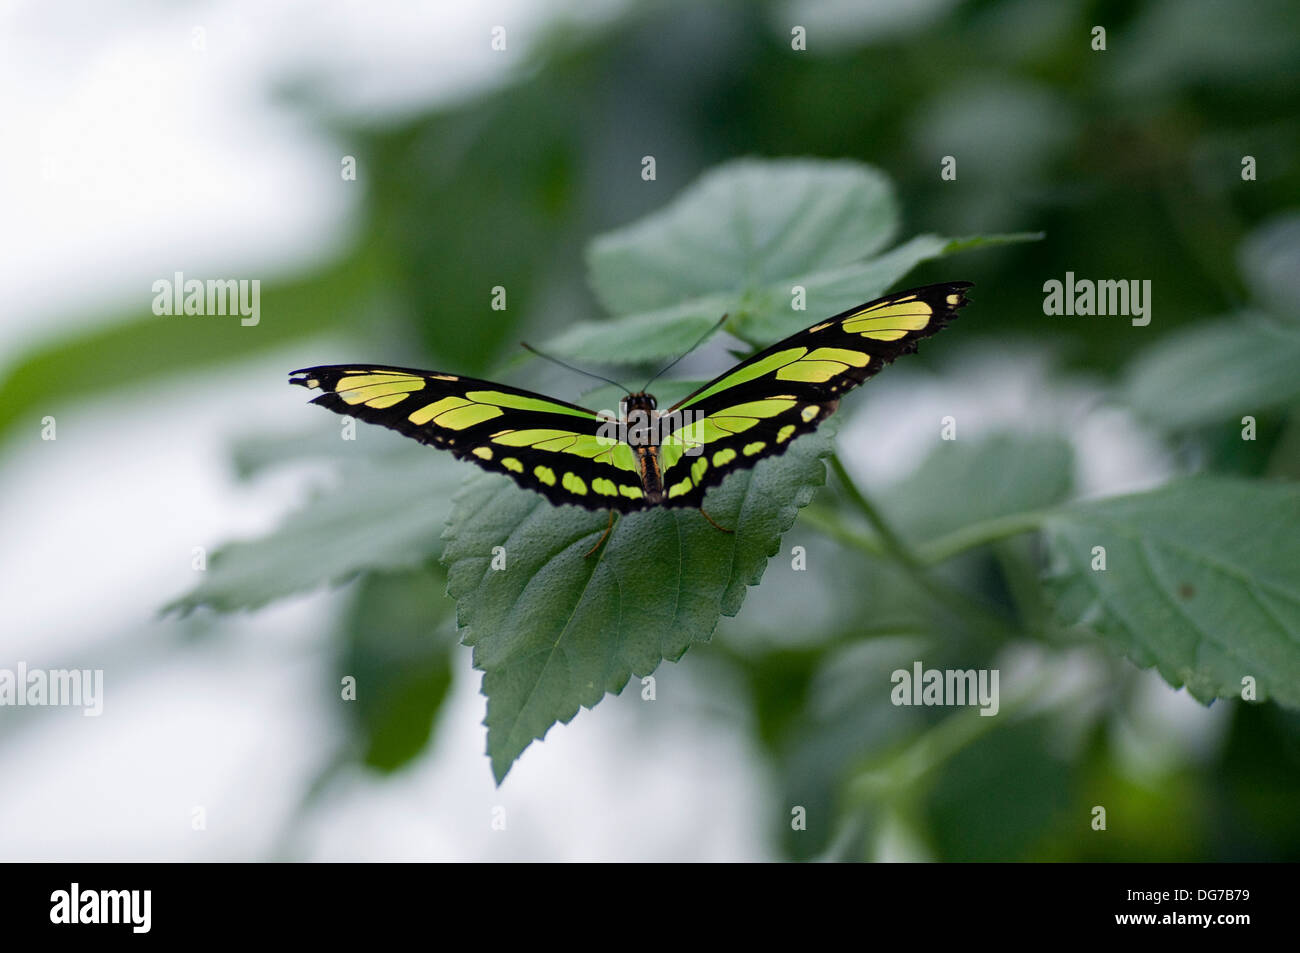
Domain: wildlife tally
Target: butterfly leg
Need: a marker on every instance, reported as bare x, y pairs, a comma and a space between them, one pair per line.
603, 536
713, 522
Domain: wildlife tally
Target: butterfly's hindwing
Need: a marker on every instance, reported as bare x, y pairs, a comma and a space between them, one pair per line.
557, 449
701, 455
757, 408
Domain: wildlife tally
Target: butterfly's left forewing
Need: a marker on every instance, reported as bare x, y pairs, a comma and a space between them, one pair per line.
755, 409
563, 451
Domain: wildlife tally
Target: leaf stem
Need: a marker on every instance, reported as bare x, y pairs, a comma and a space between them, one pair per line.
890, 541
902, 772
825, 522
889, 544
977, 534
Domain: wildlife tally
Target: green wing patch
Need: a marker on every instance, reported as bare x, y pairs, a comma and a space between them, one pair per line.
554, 448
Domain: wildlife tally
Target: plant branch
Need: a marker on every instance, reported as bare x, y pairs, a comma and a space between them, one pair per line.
889, 540
903, 772
826, 523
888, 544
977, 534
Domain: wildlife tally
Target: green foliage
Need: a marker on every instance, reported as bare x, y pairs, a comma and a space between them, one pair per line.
1210, 374
397, 647
138, 349
377, 517
998, 476
1018, 766
449, 246
737, 243
556, 630
1201, 580
741, 226
1128, 160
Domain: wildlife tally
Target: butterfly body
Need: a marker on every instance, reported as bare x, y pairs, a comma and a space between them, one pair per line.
647, 460
641, 457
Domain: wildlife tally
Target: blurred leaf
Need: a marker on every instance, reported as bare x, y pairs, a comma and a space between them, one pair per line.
378, 517
1005, 135
1215, 373
1009, 130
140, 350
833, 25
256, 453
471, 199
400, 653
1202, 580
1257, 782
845, 717
1161, 818
554, 631
843, 594
1177, 43
1269, 259
768, 317
963, 482
993, 800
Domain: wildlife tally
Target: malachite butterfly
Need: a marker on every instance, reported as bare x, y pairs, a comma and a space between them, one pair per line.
643, 457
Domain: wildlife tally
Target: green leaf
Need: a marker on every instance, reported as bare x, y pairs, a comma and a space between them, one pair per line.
1269, 259
378, 518
1202, 580
762, 315
1215, 373
768, 316
399, 651
737, 242
964, 482
1175, 44
649, 336
555, 631
743, 225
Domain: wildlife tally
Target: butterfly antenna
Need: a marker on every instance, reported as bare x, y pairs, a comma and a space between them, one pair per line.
576, 370
673, 363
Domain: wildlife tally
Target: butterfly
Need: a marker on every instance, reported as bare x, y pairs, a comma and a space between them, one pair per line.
643, 457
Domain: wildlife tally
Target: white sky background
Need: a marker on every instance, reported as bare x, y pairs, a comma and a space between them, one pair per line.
125, 149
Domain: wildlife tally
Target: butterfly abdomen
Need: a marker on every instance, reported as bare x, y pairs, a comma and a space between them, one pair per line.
652, 477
